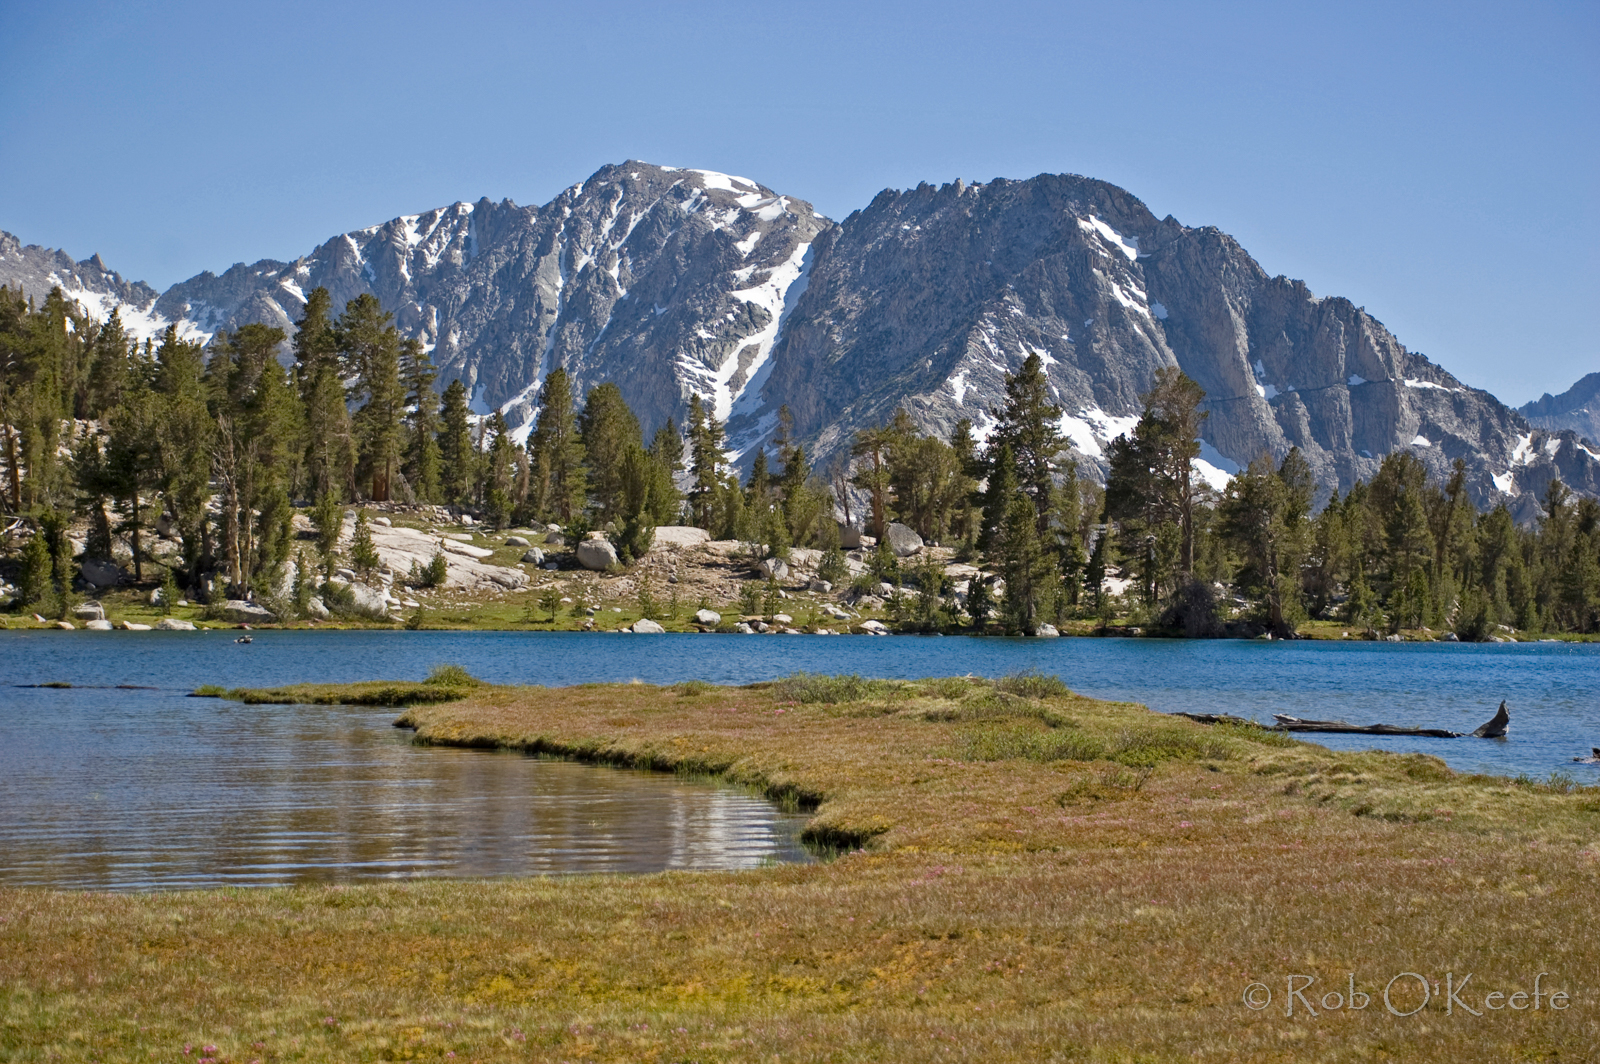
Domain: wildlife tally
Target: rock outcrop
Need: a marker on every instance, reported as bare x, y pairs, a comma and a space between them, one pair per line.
1577, 410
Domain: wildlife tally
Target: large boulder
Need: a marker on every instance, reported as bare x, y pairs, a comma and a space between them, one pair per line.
1047, 631
645, 626
517, 541
533, 556
364, 600
130, 626
173, 624
89, 611
902, 540
774, 569
873, 627
98, 572
241, 612
98, 626
317, 609
597, 554
708, 618
675, 537
849, 536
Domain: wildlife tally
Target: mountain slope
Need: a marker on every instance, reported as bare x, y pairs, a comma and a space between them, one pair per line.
678, 282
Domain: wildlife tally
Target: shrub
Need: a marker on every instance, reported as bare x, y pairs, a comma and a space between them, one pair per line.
362, 552
809, 687
1033, 684
451, 676
832, 567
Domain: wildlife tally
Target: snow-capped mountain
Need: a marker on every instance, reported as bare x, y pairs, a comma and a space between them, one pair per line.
678, 282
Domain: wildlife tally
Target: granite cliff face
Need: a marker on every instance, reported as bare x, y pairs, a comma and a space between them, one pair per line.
678, 282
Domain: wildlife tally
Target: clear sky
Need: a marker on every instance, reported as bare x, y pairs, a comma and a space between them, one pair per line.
1438, 164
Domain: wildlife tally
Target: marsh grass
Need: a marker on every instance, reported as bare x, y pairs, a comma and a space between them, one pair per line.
446, 683
1107, 906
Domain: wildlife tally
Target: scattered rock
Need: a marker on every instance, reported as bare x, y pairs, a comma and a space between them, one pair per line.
708, 618
130, 626
902, 540
173, 624
317, 609
645, 626
384, 521
597, 554
1047, 631
66, 626
744, 629
849, 536
783, 618
98, 626
774, 569
533, 556
89, 611
241, 612
555, 539
821, 587
155, 597
517, 541
873, 627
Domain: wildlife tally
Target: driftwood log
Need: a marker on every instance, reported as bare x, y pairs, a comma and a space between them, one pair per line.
1493, 729
1496, 726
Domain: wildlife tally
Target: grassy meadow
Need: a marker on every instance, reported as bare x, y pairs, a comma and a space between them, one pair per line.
1013, 873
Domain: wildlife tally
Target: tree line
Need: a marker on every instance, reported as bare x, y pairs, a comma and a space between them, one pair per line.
218, 442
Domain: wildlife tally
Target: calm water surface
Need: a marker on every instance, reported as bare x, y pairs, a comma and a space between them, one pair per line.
138, 789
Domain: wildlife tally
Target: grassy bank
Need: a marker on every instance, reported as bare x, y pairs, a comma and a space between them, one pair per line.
1027, 875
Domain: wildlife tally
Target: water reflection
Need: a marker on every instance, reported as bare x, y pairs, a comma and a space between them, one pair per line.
155, 791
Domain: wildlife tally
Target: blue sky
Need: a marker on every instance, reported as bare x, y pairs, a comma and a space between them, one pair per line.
1438, 164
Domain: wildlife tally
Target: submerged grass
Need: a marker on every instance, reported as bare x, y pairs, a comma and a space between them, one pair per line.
1044, 877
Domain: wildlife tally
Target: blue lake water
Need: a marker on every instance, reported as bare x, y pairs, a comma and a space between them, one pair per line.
147, 788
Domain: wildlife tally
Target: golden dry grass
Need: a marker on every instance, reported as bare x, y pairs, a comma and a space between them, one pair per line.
1045, 877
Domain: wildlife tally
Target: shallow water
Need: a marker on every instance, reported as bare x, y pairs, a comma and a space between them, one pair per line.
137, 789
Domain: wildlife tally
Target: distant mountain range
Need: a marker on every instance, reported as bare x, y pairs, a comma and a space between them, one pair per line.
678, 282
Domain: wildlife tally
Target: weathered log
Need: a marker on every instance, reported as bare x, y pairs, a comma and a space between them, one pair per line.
1496, 726
1295, 724
1217, 718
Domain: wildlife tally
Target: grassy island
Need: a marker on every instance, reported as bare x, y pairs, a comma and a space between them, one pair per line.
1014, 873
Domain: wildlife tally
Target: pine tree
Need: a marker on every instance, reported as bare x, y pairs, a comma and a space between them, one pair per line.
370, 349
457, 457
609, 432
705, 466
1029, 425
330, 454
422, 462
555, 453
499, 471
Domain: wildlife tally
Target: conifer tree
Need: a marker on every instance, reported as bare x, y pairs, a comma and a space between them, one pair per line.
421, 463
370, 348
330, 455
609, 432
705, 466
555, 453
457, 457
